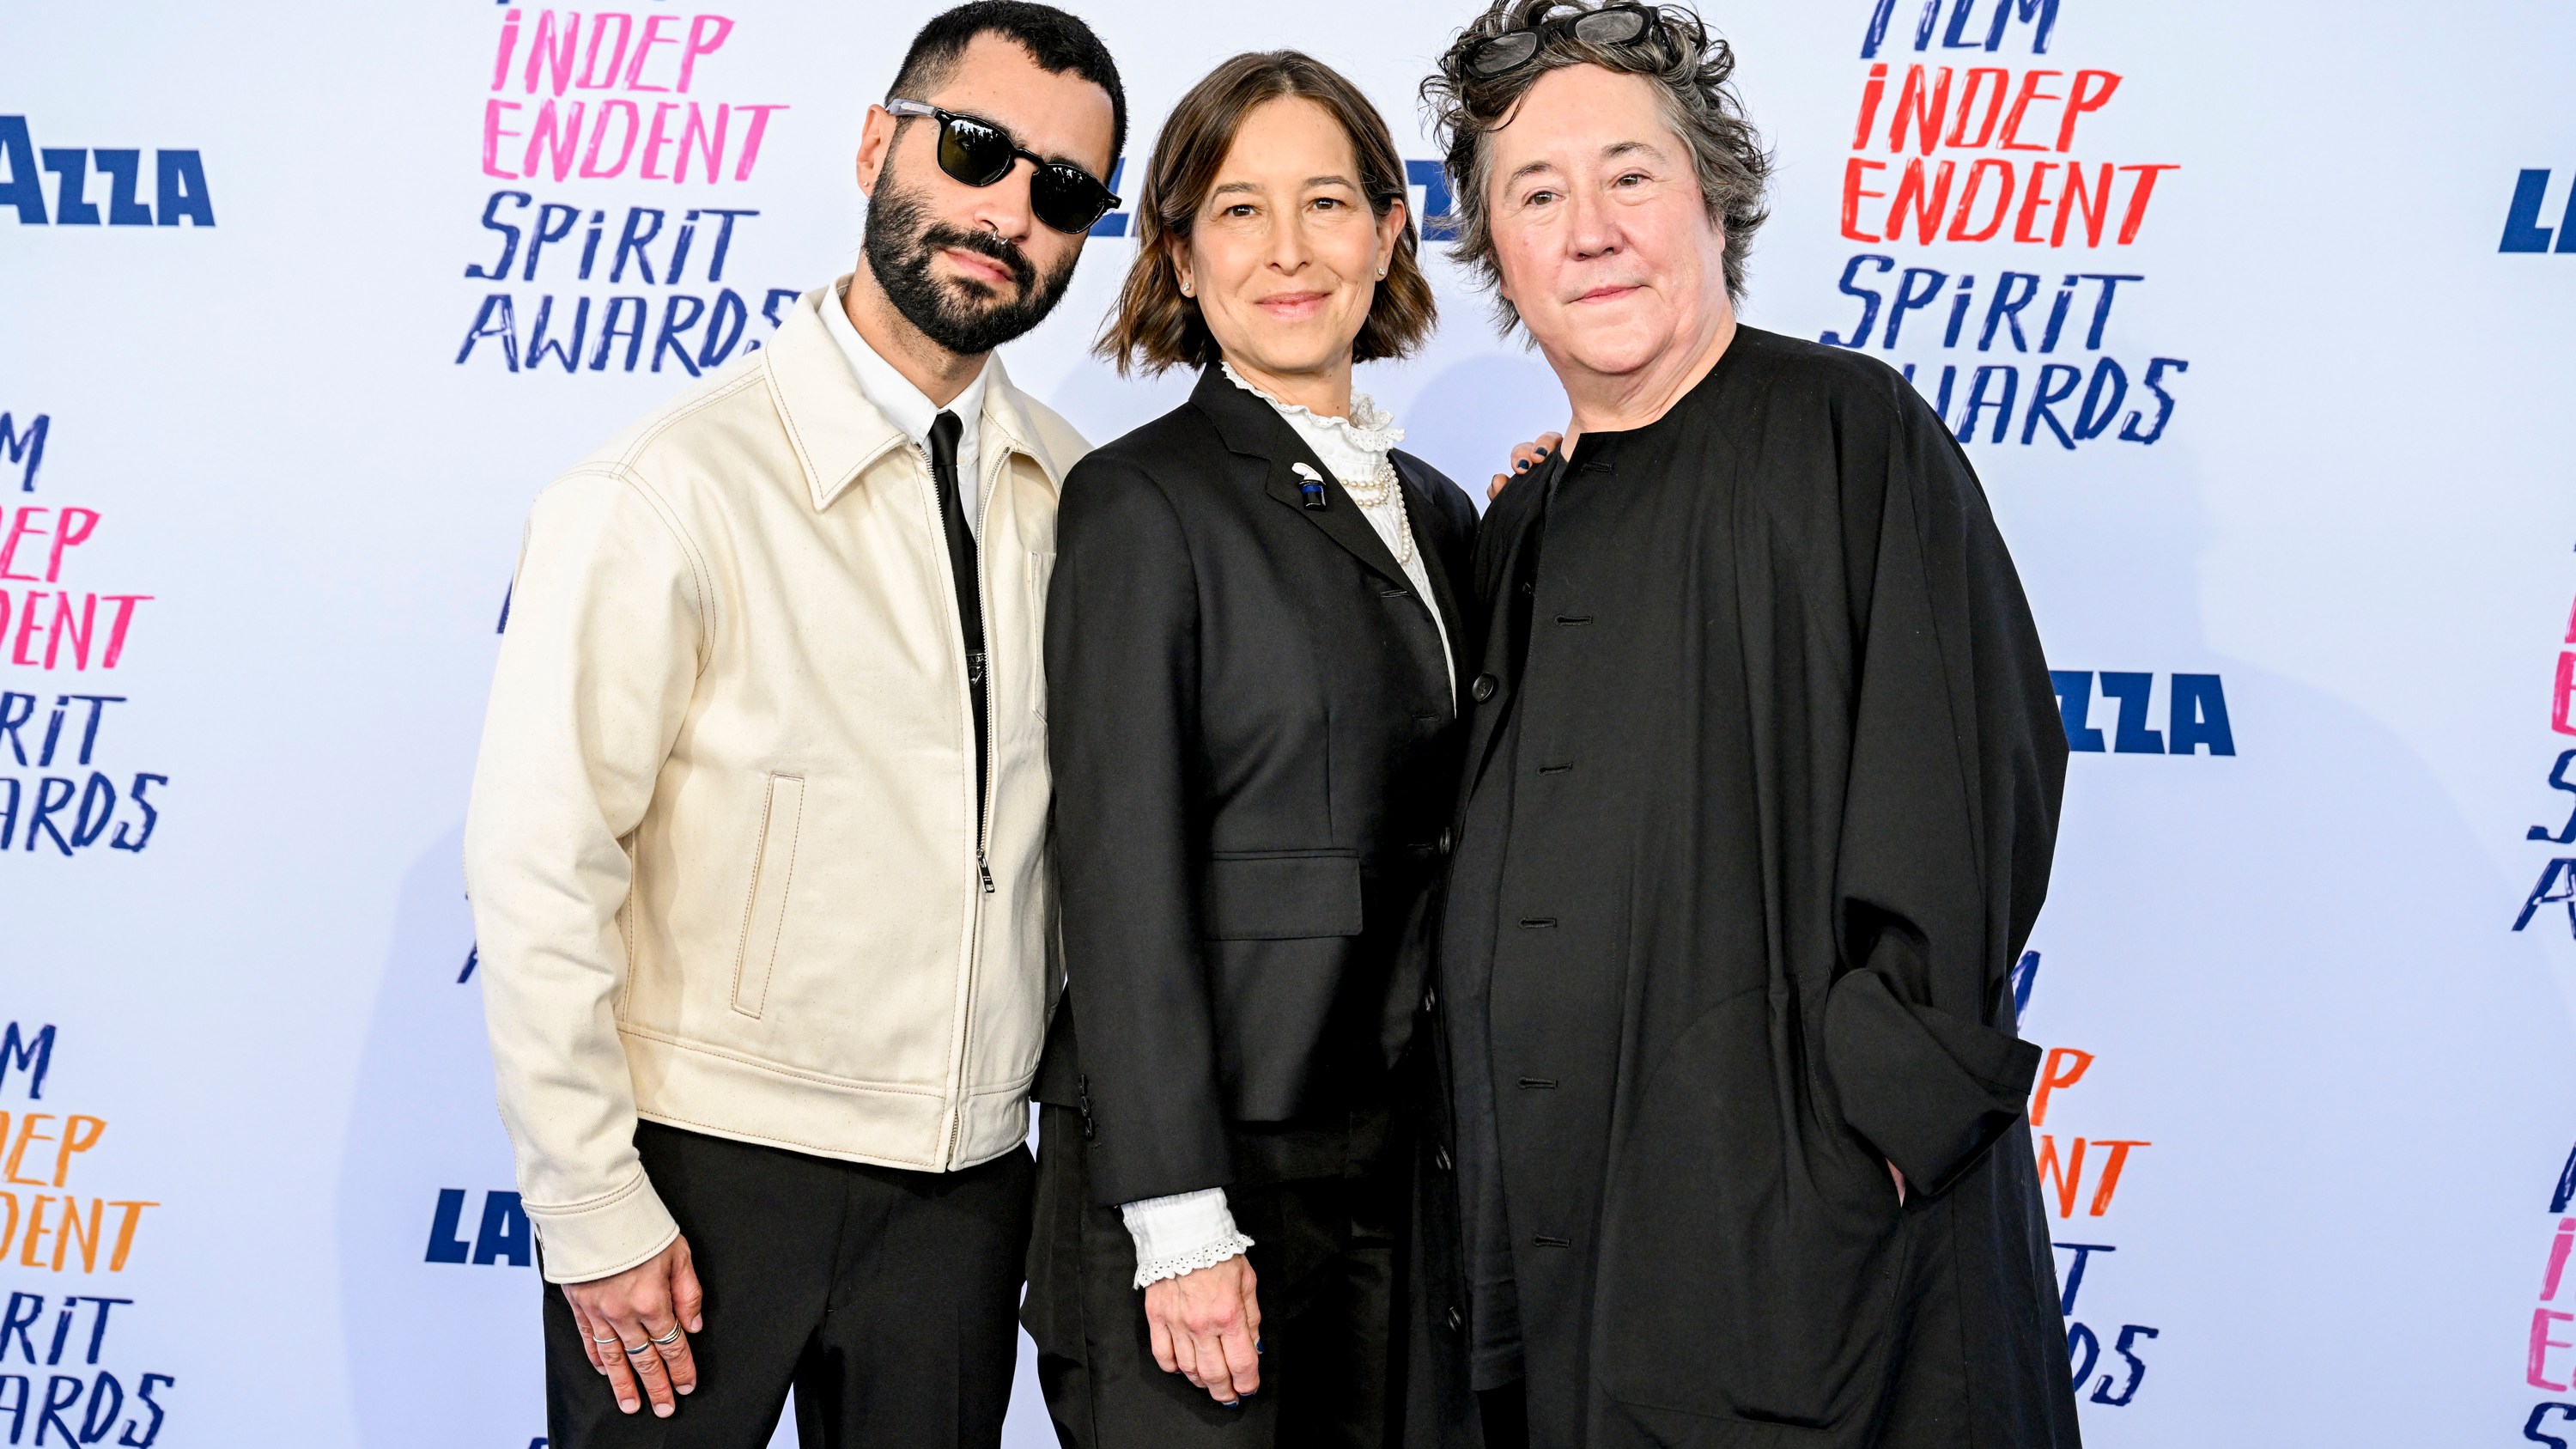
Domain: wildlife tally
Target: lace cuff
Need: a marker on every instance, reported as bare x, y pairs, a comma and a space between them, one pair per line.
1181, 1234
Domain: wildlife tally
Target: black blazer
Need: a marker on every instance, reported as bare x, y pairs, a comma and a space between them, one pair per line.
1255, 753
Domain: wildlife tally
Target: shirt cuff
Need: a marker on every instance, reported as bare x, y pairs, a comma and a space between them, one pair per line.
1181, 1234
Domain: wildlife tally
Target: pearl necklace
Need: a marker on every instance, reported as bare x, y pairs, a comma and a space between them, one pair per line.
1377, 492
1381, 486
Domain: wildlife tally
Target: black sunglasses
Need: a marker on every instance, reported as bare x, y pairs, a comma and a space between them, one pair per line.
979, 153
1609, 26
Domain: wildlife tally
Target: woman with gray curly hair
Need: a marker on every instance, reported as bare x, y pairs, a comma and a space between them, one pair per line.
1763, 773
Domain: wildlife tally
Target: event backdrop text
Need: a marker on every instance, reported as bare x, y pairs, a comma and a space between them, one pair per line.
2253, 319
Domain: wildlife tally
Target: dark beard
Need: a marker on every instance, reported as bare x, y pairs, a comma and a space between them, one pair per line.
967, 318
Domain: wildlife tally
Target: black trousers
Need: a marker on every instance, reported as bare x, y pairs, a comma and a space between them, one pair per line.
1326, 1252
885, 1298
1505, 1412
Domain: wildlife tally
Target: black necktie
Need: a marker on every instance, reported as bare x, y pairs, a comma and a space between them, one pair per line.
944, 431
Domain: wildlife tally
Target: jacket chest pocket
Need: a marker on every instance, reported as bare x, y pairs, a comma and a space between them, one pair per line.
1041, 569
764, 914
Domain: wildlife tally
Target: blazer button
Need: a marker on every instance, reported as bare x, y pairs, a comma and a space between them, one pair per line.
1446, 841
1440, 1158
1457, 1320
1482, 689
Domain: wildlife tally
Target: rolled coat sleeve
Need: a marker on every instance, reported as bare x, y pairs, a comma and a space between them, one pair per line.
1950, 820
601, 650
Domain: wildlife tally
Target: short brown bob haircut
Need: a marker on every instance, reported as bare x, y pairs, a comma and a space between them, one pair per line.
1155, 327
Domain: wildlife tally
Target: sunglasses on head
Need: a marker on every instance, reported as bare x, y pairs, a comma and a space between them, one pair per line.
1611, 26
979, 153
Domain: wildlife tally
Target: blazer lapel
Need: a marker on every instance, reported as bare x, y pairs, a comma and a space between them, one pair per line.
1250, 428
1340, 517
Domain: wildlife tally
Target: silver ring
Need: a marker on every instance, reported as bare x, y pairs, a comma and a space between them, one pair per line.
640, 1348
612, 1338
668, 1339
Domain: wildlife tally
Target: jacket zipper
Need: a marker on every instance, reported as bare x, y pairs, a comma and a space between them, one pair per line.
984, 601
993, 722
984, 811
991, 763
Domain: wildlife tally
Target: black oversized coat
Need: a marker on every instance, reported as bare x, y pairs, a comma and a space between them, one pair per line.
1780, 770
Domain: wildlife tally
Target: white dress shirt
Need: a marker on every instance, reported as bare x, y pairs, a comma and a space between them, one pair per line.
1192, 1230
910, 409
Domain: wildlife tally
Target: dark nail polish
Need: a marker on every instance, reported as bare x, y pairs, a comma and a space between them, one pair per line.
1521, 467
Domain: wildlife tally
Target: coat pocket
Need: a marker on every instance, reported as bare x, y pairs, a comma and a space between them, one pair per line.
764, 915
1041, 567
1283, 896
1750, 1259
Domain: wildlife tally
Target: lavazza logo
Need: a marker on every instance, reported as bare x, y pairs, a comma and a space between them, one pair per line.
2532, 192
104, 185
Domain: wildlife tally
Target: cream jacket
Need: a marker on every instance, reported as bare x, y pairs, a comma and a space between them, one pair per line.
723, 847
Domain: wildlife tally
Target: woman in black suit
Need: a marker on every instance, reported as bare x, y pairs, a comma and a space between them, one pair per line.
1252, 635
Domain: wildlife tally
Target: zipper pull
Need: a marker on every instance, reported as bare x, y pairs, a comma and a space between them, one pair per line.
983, 872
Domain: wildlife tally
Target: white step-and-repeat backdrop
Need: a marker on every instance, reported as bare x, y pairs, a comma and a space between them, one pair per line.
2255, 318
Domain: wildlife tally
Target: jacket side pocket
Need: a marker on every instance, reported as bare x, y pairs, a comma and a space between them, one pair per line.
765, 913
1284, 896
1041, 566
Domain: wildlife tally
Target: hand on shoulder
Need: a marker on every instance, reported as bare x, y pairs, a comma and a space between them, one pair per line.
1525, 457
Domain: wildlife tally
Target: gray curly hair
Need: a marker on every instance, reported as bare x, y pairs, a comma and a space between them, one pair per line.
1690, 70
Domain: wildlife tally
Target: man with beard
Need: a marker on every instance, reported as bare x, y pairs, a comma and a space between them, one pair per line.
757, 840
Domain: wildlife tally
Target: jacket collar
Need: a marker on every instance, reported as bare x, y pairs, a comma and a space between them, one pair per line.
838, 434
1253, 430
1008, 427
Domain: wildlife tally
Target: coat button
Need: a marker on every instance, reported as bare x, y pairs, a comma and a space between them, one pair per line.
1457, 1320
1440, 1158
1446, 841
1482, 689
1430, 998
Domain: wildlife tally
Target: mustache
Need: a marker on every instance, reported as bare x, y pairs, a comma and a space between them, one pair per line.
983, 243
961, 314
